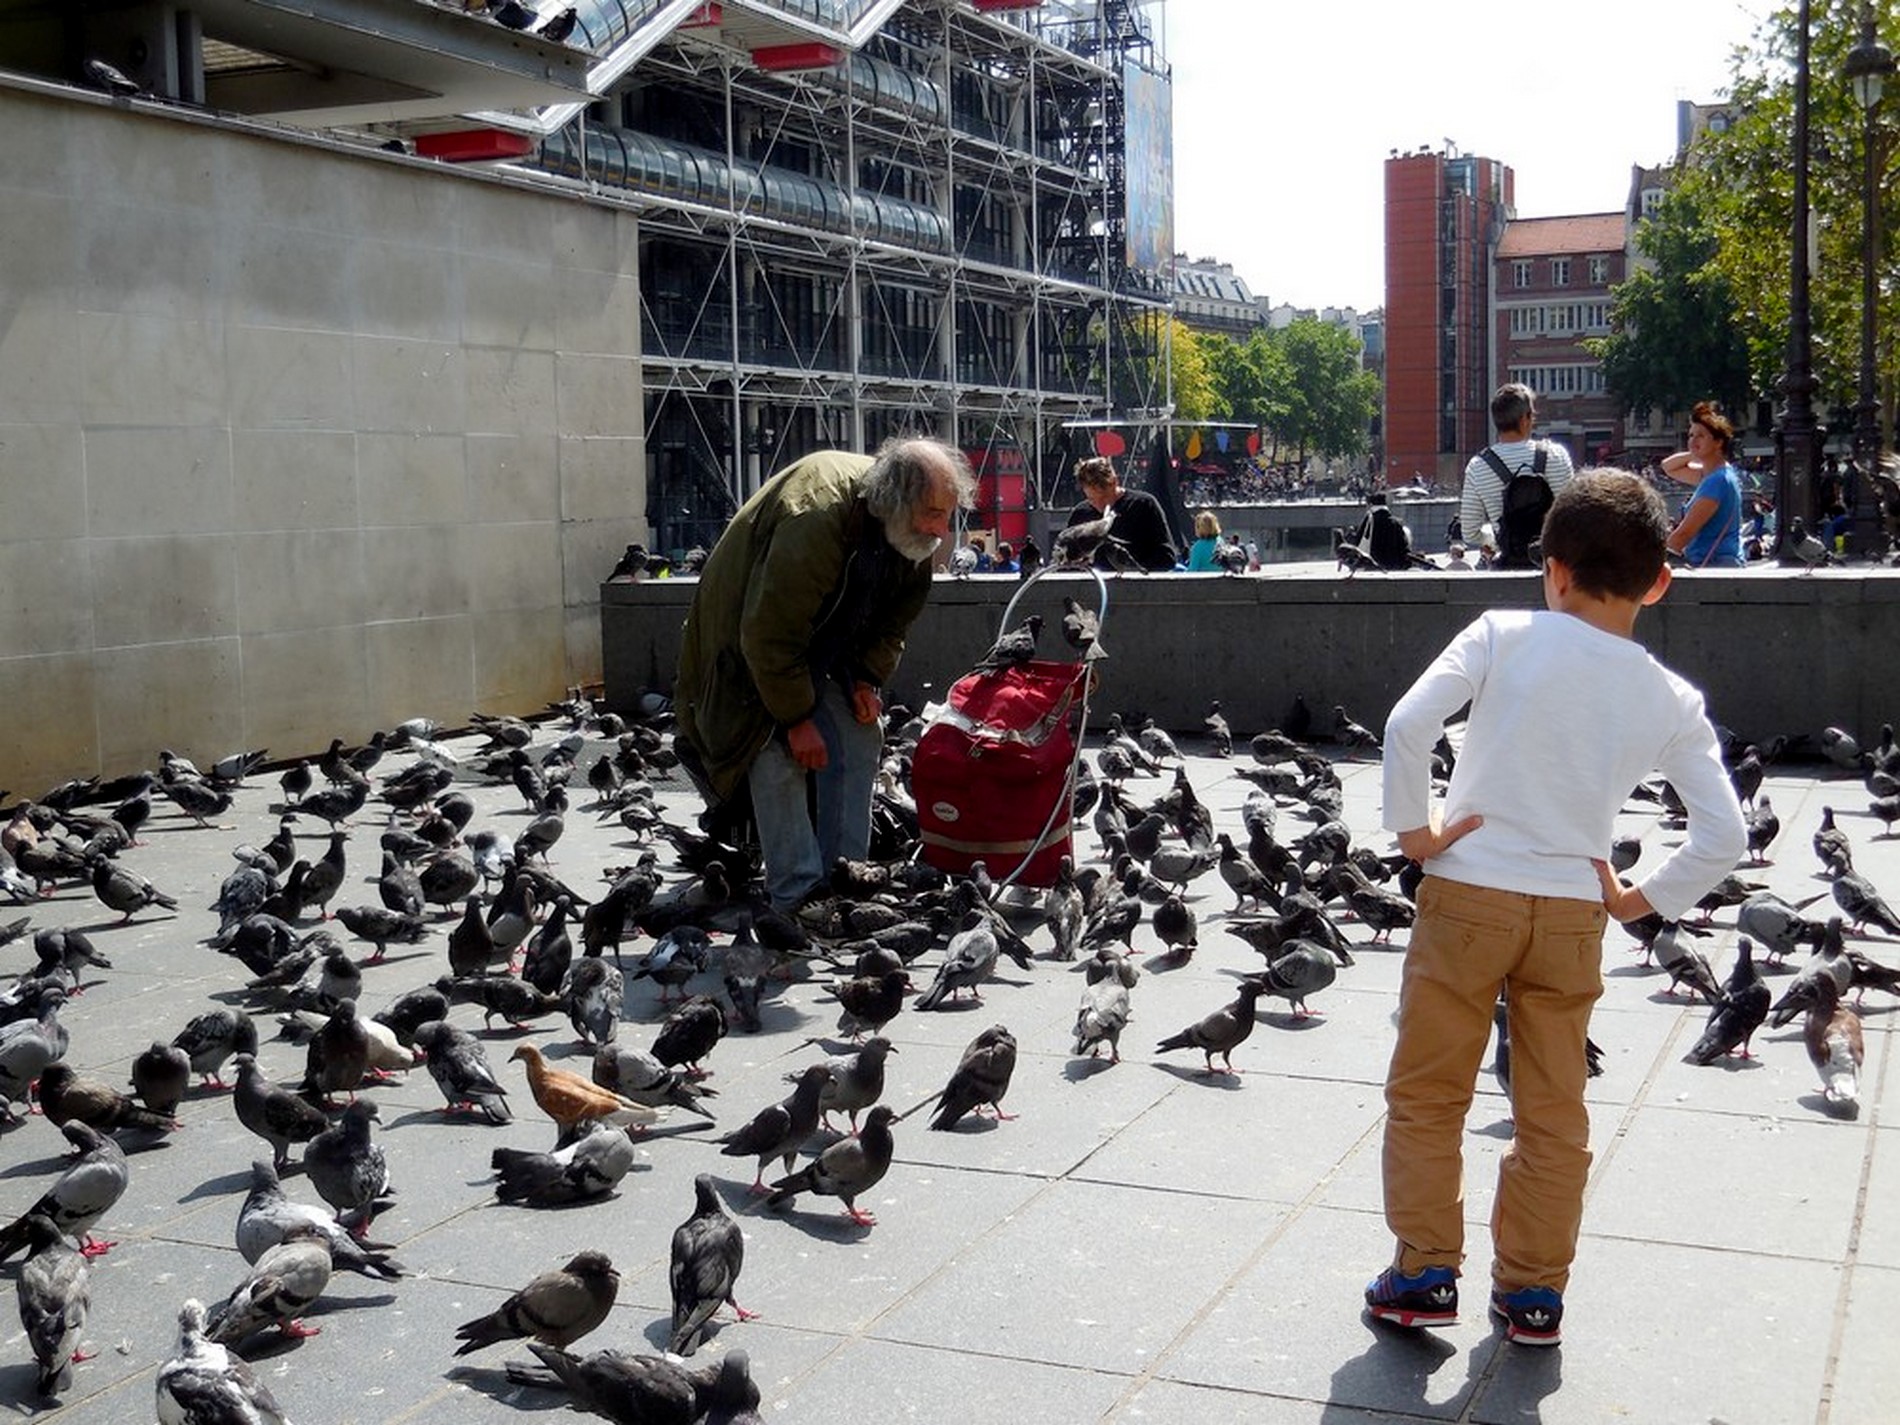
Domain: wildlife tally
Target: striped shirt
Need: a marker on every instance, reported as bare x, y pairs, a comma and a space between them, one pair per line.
1483, 500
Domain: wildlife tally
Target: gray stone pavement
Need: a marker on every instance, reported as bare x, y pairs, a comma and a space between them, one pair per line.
1142, 1244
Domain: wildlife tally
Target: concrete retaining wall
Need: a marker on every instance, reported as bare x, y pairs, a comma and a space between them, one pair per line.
295, 440
1774, 652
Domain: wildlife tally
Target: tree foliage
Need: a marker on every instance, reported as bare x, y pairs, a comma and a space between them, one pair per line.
1301, 384
1675, 339
1741, 181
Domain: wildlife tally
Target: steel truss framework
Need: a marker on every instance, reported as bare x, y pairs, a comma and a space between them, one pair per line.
925, 237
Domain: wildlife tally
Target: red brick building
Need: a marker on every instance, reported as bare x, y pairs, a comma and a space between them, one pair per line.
1552, 281
1444, 216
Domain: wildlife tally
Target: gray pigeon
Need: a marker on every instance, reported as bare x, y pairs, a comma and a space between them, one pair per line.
1861, 903
160, 1077
1062, 909
1829, 965
1221, 1032
1300, 969
708, 1252
283, 1283
966, 963
55, 1296
29, 1046
557, 1308
594, 995
653, 1390
79, 1197
214, 1036
856, 1082
636, 1074
276, 1115
780, 1130
847, 1169
204, 1384
347, 1167
268, 1216
588, 1168
1105, 1004
126, 891
1684, 962
981, 1077
1737, 1014
338, 1055
460, 1068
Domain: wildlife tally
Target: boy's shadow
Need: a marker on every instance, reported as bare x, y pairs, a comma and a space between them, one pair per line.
1395, 1371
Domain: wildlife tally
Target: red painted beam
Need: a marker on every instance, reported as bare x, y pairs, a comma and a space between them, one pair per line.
778, 59
474, 145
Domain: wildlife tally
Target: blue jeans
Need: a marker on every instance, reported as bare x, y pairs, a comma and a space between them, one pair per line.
798, 853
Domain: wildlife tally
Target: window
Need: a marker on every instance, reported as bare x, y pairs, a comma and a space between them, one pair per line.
1521, 274
1560, 272
1652, 200
1599, 271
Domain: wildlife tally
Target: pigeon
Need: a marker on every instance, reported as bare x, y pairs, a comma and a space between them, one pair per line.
856, 1082
571, 1100
708, 1252
408, 1012
472, 949
780, 1130
550, 950
1012, 649
1745, 776
203, 1382
967, 962
1775, 925
461, 1070
1219, 734
680, 954
1221, 1032
267, 1217
1062, 909
1104, 1010
347, 1167
689, 1034
28, 1047
110, 78
1763, 827
1828, 966
1861, 903
1833, 1038
79, 1197
338, 1055
636, 1074
160, 1077
380, 925
587, 1169
869, 1002
594, 995
981, 1077
514, 1000
847, 1169
126, 891
1082, 630
1738, 1013
1807, 549
557, 1308
1831, 845
67, 950
1175, 926
1684, 962
284, 1282
66, 1096
274, 1114
55, 1295
1301, 968
651, 1390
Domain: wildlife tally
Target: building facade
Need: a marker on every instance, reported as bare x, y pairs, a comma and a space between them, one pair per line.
1445, 214
1552, 281
1210, 297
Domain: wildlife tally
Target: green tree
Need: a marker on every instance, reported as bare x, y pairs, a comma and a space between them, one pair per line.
1328, 402
1742, 180
1675, 337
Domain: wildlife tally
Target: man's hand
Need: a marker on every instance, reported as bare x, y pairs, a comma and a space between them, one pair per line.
1622, 900
807, 745
1422, 843
867, 706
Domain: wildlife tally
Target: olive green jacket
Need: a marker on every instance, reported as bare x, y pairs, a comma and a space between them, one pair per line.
766, 588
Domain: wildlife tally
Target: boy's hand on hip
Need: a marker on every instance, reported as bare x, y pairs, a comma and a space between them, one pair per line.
1422, 843
1623, 901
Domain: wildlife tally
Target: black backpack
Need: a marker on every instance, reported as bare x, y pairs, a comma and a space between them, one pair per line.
1527, 499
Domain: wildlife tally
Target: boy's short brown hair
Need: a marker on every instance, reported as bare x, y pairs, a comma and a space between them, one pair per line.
1095, 473
1610, 530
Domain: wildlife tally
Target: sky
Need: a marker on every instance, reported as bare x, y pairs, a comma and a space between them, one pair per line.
1285, 112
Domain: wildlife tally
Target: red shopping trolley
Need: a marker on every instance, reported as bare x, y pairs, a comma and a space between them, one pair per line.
994, 772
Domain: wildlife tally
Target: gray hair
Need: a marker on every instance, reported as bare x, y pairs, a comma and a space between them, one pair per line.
904, 470
1511, 404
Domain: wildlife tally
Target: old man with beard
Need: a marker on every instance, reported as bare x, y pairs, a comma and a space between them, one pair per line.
798, 623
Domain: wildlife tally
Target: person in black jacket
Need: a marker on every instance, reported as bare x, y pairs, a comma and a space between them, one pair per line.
1139, 522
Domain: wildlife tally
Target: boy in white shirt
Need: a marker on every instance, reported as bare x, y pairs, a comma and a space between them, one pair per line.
1568, 714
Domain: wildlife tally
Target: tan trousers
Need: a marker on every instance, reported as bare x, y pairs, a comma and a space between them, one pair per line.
1547, 953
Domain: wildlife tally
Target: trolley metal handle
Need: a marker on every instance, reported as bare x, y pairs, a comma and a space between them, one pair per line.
1101, 592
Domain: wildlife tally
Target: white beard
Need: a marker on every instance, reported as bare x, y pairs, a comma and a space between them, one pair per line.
918, 548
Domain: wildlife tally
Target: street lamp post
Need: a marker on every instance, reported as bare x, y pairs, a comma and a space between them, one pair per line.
1797, 437
1869, 64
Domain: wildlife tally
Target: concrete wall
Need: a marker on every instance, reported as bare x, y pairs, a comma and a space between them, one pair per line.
295, 441
1773, 652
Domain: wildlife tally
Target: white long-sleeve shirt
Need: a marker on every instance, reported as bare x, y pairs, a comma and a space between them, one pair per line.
1565, 721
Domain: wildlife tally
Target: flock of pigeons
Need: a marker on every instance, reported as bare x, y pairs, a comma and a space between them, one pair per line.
527, 945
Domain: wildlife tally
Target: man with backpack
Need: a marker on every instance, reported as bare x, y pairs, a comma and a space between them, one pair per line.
1511, 482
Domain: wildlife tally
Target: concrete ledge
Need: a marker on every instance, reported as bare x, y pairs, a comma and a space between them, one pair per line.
1774, 651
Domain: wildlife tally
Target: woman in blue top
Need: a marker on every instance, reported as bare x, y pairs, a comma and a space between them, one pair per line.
1709, 534
1200, 558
